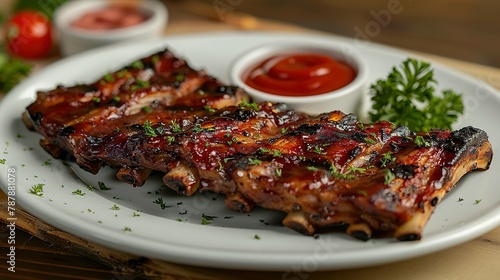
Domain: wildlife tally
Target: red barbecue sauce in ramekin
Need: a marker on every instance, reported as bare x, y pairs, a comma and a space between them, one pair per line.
111, 17
300, 74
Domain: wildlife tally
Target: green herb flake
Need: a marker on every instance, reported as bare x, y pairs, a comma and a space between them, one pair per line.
279, 172
96, 99
387, 159
312, 168
46, 163
205, 219
362, 192
147, 109
389, 177
2, 160
155, 59
420, 141
115, 207
355, 169
209, 109
251, 105
109, 78
460, 199
127, 229
78, 192
135, 215
256, 237
148, 129
477, 201
253, 161
37, 189
175, 127
160, 202
138, 65
180, 77
102, 186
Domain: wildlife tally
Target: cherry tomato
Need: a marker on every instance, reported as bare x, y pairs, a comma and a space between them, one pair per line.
28, 34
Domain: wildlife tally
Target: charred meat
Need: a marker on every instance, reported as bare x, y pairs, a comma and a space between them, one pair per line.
160, 115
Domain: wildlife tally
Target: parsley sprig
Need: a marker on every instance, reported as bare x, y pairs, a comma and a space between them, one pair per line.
407, 97
12, 71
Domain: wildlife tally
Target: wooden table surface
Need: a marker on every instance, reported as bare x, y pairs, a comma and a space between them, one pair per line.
43, 252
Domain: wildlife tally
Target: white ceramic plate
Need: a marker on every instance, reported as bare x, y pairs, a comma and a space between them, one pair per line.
141, 227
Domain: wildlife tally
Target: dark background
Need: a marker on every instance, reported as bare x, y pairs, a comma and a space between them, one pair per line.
463, 29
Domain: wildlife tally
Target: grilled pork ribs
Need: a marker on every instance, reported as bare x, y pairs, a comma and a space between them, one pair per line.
158, 114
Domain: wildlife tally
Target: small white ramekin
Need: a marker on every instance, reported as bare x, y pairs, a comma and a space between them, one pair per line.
347, 99
74, 40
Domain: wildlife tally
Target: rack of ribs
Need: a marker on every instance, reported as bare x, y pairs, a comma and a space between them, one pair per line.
160, 115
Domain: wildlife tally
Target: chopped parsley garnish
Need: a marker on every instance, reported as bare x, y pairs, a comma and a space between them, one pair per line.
46, 163
312, 168
197, 128
175, 127
138, 65
284, 129
139, 84
362, 192
460, 199
355, 169
127, 229
149, 131
205, 219
274, 153
208, 108
121, 73
387, 159
78, 192
116, 98
102, 186
37, 189
407, 98
2, 161
135, 215
160, 202
115, 207
477, 201
339, 175
12, 71
420, 141
389, 176
155, 58
180, 77
96, 99
255, 161
147, 109
252, 105
256, 237
109, 78
279, 172
171, 139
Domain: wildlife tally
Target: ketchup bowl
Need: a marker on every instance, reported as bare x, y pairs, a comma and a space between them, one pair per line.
311, 78
83, 25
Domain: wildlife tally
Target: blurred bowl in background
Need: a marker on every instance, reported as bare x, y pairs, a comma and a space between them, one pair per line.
294, 73
86, 24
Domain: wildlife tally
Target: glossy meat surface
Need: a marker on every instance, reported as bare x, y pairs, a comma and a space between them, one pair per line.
160, 115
